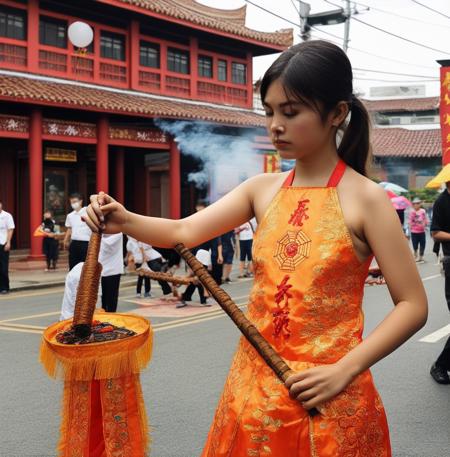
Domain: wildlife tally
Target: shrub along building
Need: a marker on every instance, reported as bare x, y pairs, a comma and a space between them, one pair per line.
87, 121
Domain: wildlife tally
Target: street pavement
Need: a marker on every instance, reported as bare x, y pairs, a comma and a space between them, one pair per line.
192, 354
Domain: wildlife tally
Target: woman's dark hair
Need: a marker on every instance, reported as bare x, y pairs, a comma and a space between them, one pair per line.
319, 74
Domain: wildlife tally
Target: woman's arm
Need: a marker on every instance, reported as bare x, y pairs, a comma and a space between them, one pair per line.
385, 237
230, 211
440, 236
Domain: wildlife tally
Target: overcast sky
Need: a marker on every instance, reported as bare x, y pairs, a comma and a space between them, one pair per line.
429, 29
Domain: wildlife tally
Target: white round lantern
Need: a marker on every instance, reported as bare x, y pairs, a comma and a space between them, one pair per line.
80, 34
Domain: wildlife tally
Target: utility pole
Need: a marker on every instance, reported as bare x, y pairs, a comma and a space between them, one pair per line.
305, 29
348, 16
337, 16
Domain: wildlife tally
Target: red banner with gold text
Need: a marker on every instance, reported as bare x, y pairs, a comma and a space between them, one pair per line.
445, 114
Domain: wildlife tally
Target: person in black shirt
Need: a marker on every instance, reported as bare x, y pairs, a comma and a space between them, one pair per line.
50, 243
440, 231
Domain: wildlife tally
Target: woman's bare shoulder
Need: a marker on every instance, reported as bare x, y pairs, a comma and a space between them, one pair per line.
263, 188
366, 190
268, 178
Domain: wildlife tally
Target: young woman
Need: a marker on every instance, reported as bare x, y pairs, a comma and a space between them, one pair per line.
318, 228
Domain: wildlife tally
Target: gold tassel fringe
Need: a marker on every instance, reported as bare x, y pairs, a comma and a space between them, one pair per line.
116, 364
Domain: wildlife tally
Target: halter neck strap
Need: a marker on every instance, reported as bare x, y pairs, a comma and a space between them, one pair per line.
334, 180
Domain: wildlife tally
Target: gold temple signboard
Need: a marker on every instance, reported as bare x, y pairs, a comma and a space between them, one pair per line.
60, 155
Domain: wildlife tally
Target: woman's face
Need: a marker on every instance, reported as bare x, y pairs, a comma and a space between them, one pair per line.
296, 130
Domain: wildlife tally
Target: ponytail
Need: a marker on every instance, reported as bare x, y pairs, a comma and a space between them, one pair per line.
354, 148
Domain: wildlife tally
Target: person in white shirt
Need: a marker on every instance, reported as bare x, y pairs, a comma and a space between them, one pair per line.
70, 292
155, 262
111, 258
204, 257
134, 252
112, 267
78, 233
245, 232
6, 232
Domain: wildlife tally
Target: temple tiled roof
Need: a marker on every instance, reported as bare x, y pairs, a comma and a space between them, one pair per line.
43, 92
403, 104
399, 142
229, 21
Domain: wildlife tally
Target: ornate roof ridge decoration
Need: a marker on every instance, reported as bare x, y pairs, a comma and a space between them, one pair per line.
230, 21
402, 104
35, 91
236, 15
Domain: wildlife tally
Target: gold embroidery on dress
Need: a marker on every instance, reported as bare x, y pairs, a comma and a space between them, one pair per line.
79, 396
115, 425
260, 434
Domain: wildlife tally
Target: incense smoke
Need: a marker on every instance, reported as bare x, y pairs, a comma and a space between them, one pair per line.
226, 160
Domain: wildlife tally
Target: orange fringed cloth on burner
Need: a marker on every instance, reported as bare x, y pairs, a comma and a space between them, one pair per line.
103, 413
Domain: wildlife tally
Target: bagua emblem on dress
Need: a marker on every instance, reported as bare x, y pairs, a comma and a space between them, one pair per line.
292, 250
295, 246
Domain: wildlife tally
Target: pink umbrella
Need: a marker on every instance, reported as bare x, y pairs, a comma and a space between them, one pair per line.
391, 194
400, 202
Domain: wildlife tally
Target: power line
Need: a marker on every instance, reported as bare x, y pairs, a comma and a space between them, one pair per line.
295, 6
409, 18
386, 31
357, 78
431, 78
398, 36
429, 8
393, 73
381, 57
297, 25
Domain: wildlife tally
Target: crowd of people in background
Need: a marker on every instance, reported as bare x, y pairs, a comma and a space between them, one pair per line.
217, 255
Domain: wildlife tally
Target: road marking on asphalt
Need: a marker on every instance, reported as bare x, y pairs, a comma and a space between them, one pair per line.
209, 315
193, 319
32, 316
14, 295
29, 326
22, 330
50, 291
427, 278
437, 335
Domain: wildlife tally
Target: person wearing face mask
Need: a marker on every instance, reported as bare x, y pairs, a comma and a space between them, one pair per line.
78, 233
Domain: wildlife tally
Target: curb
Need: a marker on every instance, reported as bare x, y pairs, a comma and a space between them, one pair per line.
51, 285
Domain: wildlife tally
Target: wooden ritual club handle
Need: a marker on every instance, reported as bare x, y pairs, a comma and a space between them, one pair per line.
88, 288
262, 346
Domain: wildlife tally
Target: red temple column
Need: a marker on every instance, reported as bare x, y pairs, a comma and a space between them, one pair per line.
249, 82
175, 181
193, 66
120, 175
134, 47
102, 154
36, 181
33, 36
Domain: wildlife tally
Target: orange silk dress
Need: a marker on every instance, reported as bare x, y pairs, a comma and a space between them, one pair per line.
306, 301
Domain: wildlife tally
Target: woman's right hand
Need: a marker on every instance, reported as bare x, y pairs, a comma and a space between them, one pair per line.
106, 214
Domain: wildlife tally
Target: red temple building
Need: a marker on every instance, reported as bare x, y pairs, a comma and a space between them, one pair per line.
74, 121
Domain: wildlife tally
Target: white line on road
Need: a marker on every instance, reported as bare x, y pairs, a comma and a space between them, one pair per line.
437, 335
431, 277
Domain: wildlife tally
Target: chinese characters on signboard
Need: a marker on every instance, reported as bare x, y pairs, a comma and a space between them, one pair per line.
445, 114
